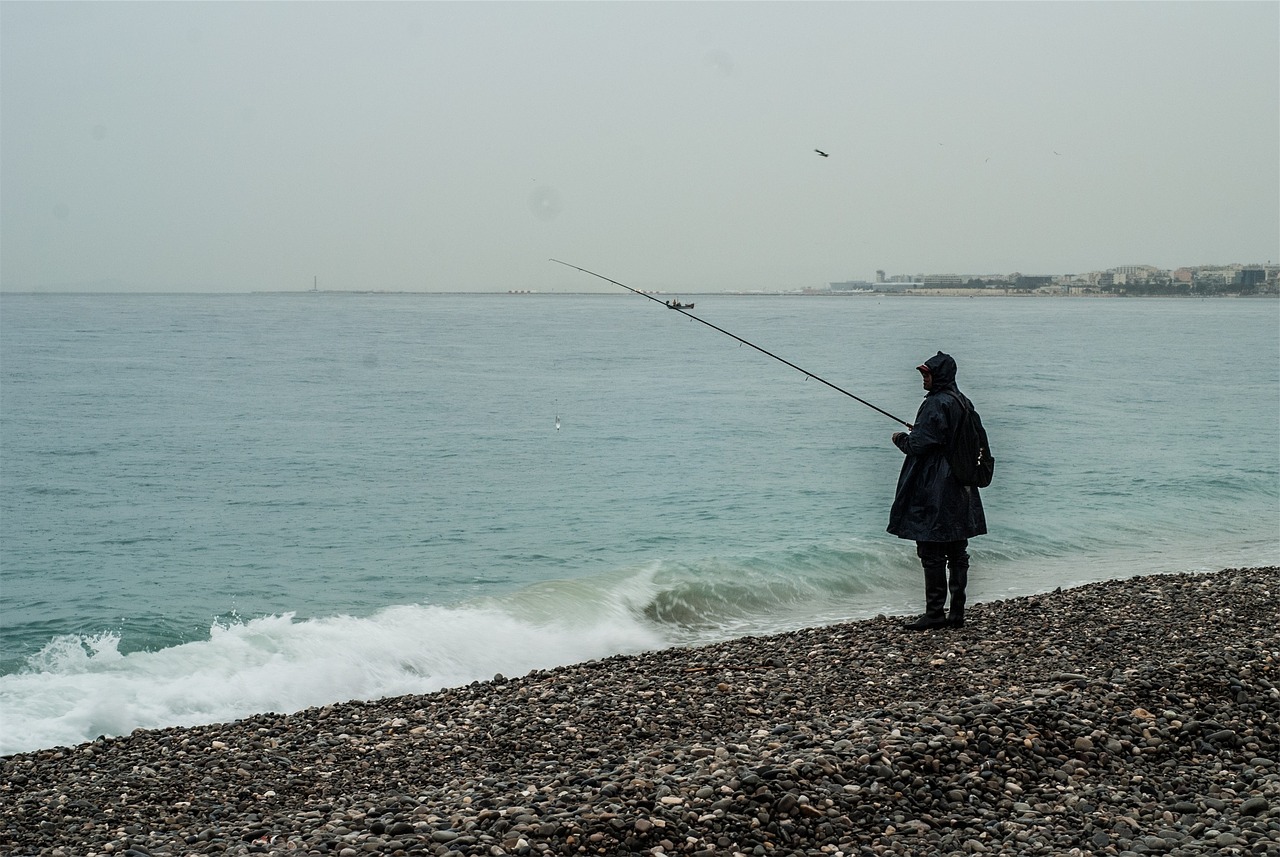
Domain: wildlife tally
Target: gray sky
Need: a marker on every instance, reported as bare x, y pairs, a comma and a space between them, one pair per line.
457, 146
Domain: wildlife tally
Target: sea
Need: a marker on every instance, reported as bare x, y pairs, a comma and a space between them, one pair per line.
223, 504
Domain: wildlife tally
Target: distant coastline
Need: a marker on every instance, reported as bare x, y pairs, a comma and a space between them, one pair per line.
910, 293
1198, 281
812, 293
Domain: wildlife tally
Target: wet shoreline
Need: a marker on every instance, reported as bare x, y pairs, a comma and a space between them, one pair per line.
1123, 717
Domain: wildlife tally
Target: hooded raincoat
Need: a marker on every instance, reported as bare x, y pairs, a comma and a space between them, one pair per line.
930, 504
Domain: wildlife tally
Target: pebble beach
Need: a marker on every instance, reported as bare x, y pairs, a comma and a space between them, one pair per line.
1135, 716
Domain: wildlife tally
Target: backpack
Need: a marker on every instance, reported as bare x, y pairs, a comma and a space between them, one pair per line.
969, 452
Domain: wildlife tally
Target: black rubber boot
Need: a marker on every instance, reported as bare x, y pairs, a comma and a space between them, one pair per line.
927, 621
935, 597
959, 580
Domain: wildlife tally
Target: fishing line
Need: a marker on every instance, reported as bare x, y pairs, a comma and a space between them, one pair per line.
684, 312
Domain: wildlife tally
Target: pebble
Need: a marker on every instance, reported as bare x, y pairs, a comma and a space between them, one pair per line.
1124, 717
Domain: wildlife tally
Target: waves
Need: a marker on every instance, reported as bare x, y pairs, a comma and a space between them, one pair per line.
78, 687
81, 686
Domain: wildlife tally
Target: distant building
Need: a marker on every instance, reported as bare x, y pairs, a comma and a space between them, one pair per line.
1251, 278
943, 281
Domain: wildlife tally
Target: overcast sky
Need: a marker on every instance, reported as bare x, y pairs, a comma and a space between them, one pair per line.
457, 146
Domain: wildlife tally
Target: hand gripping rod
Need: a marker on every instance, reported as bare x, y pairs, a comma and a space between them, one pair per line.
740, 339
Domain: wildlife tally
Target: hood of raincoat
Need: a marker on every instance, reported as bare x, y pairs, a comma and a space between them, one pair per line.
942, 369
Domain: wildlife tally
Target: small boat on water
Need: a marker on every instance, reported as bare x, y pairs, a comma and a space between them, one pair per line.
677, 305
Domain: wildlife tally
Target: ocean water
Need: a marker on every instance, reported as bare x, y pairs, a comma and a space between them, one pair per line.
217, 505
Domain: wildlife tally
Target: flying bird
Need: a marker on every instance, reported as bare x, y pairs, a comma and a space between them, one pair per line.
820, 152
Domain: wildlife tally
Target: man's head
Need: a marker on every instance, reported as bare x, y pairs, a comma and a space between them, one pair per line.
938, 372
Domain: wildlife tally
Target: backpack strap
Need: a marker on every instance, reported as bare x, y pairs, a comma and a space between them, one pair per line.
964, 409
955, 395
969, 409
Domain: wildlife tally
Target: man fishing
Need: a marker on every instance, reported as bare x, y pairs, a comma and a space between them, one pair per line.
931, 505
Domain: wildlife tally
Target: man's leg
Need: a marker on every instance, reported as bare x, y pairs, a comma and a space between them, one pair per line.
933, 556
958, 563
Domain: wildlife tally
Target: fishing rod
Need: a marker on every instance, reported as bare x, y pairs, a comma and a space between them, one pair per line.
682, 311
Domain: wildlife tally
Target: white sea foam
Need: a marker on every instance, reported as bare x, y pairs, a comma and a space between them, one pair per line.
79, 688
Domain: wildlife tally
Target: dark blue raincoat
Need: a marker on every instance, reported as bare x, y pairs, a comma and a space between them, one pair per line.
931, 505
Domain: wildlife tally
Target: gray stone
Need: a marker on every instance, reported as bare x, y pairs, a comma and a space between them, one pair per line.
1254, 806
